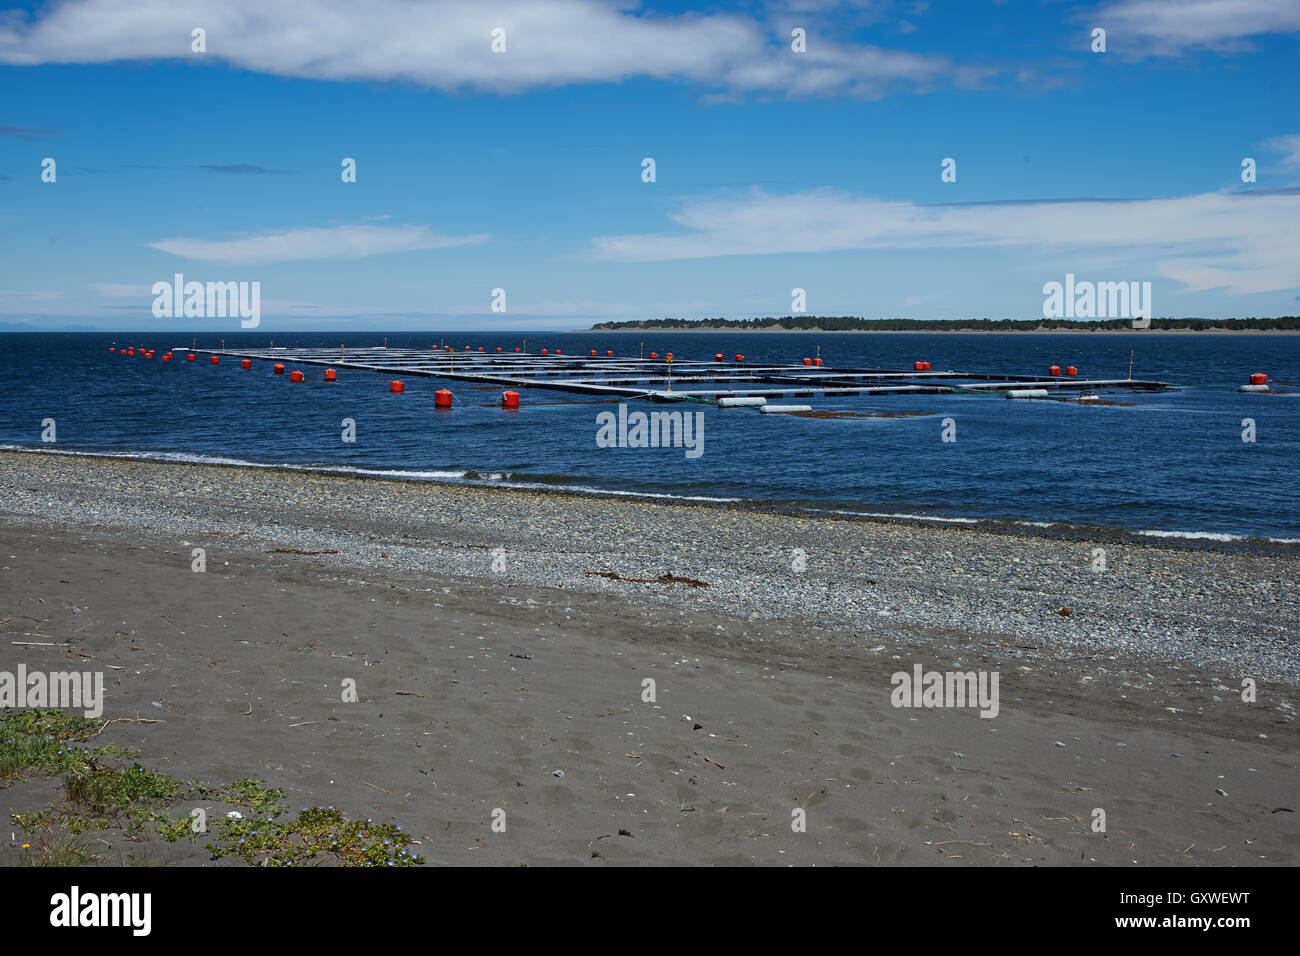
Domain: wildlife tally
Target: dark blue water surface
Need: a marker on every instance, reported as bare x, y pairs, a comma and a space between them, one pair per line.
1173, 461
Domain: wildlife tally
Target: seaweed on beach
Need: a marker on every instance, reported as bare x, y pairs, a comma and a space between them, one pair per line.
588, 401
833, 414
1080, 400
662, 579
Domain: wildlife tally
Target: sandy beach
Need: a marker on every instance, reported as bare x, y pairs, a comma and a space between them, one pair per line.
499, 641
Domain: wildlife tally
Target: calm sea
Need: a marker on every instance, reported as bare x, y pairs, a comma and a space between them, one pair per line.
1172, 463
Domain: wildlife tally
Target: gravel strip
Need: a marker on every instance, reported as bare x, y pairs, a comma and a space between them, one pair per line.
1026, 595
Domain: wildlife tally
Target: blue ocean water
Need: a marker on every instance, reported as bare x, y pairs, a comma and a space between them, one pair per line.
1172, 462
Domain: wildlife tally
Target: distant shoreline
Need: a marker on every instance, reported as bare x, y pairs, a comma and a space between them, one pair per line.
780, 331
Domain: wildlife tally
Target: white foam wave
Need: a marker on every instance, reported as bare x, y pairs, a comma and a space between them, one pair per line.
1194, 535
460, 476
905, 516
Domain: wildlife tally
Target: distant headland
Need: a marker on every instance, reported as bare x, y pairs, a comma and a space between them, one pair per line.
846, 323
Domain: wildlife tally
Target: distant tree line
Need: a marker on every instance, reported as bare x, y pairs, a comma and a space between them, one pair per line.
848, 323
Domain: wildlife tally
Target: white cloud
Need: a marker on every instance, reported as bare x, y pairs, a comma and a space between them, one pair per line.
447, 44
40, 296
338, 242
1173, 27
1245, 242
113, 290
1289, 147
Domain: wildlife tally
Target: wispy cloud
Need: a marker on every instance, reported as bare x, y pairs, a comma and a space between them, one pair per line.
41, 296
1289, 147
1175, 27
338, 242
24, 133
243, 169
1245, 242
115, 290
447, 44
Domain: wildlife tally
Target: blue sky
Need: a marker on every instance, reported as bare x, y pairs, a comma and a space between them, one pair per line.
522, 170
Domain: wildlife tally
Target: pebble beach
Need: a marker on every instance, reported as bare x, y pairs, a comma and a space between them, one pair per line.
500, 640
1025, 593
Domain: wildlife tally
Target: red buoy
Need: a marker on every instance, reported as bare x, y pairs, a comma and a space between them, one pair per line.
397, 387
1054, 370
480, 348
441, 398
331, 375
130, 351
295, 376
717, 356
1071, 370
509, 399
557, 351
167, 357
516, 348
918, 366
808, 361
246, 363
1258, 378
669, 356
654, 355
740, 358
593, 353
191, 357
213, 359
278, 370
545, 352
111, 349
609, 354
498, 348
817, 362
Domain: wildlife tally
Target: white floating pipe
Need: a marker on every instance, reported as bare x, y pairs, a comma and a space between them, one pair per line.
741, 401
1252, 388
778, 409
1026, 393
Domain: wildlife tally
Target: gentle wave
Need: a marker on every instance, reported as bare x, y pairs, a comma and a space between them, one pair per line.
1195, 535
465, 476
506, 480
903, 516
192, 458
